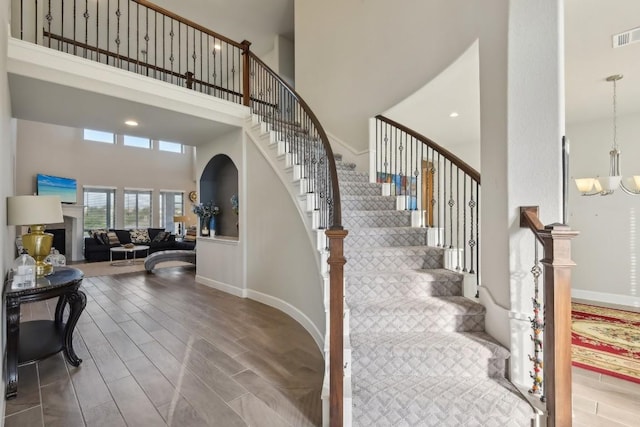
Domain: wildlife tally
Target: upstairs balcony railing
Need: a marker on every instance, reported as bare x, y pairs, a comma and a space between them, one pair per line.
140, 37
437, 185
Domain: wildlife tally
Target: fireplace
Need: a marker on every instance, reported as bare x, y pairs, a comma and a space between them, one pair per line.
74, 232
59, 239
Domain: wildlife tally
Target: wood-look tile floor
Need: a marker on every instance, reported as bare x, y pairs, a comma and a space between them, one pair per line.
161, 350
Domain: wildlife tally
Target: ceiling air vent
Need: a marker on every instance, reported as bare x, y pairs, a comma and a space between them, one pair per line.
628, 37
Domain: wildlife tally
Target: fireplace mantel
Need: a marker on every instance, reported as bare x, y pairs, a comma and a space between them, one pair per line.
74, 234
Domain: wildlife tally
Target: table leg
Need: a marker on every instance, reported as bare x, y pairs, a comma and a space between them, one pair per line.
77, 301
62, 301
13, 335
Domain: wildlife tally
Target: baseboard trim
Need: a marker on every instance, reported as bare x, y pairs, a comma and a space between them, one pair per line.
292, 311
619, 299
224, 287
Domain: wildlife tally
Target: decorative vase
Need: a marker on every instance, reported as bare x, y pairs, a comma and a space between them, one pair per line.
204, 226
212, 226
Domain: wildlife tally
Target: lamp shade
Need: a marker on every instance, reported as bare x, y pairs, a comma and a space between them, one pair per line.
636, 179
180, 218
30, 210
584, 184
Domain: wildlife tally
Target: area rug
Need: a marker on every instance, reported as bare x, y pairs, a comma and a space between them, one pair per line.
93, 269
606, 340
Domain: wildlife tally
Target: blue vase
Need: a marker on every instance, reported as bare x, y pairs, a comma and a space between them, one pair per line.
212, 226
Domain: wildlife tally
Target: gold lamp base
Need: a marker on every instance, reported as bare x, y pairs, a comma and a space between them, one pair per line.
38, 244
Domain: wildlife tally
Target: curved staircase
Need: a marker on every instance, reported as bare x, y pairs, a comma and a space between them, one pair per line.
420, 356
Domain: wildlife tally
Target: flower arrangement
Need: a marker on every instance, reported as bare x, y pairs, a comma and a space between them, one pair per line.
206, 210
235, 204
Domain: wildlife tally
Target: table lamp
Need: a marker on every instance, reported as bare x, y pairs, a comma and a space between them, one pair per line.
180, 219
36, 211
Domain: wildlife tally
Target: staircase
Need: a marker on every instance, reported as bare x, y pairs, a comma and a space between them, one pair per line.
420, 356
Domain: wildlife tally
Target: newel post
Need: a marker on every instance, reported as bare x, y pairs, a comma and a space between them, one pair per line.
336, 312
246, 73
557, 332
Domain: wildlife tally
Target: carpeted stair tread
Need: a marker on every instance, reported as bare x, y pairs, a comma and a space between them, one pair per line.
360, 188
438, 401
353, 202
417, 283
427, 354
394, 257
386, 236
345, 166
434, 314
349, 175
367, 218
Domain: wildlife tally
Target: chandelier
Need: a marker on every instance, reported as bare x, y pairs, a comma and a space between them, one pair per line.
605, 186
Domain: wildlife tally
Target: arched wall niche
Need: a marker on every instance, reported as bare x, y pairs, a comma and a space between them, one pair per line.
218, 183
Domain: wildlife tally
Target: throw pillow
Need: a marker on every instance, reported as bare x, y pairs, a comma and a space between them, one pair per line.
98, 235
112, 238
161, 236
103, 238
140, 236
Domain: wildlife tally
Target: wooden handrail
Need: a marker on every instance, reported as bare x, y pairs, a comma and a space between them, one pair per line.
188, 22
153, 67
333, 173
556, 242
461, 164
121, 57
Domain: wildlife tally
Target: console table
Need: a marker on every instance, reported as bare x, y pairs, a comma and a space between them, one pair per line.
31, 341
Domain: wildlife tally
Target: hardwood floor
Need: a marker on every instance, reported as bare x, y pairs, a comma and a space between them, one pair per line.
162, 350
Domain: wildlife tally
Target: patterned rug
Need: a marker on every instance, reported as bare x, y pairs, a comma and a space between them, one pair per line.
606, 340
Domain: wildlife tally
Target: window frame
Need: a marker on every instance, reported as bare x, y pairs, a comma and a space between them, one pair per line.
137, 193
110, 206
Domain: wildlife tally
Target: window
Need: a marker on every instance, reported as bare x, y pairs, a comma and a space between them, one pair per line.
171, 204
99, 136
136, 141
99, 208
137, 208
173, 147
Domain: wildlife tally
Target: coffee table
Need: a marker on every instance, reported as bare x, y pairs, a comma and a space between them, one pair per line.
127, 260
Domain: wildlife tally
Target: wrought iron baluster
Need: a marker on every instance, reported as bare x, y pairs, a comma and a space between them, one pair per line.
537, 327
457, 218
472, 242
464, 224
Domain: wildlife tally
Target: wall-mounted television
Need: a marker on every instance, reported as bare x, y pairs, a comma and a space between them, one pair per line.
66, 188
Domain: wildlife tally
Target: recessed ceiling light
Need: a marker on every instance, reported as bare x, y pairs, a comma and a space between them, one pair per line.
454, 114
217, 46
131, 123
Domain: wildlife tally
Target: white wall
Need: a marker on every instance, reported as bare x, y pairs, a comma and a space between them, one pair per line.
221, 262
62, 151
456, 89
607, 252
273, 261
281, 260
7, 169
372, 56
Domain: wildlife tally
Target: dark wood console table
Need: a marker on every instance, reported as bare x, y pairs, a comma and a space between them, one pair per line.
35, 340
